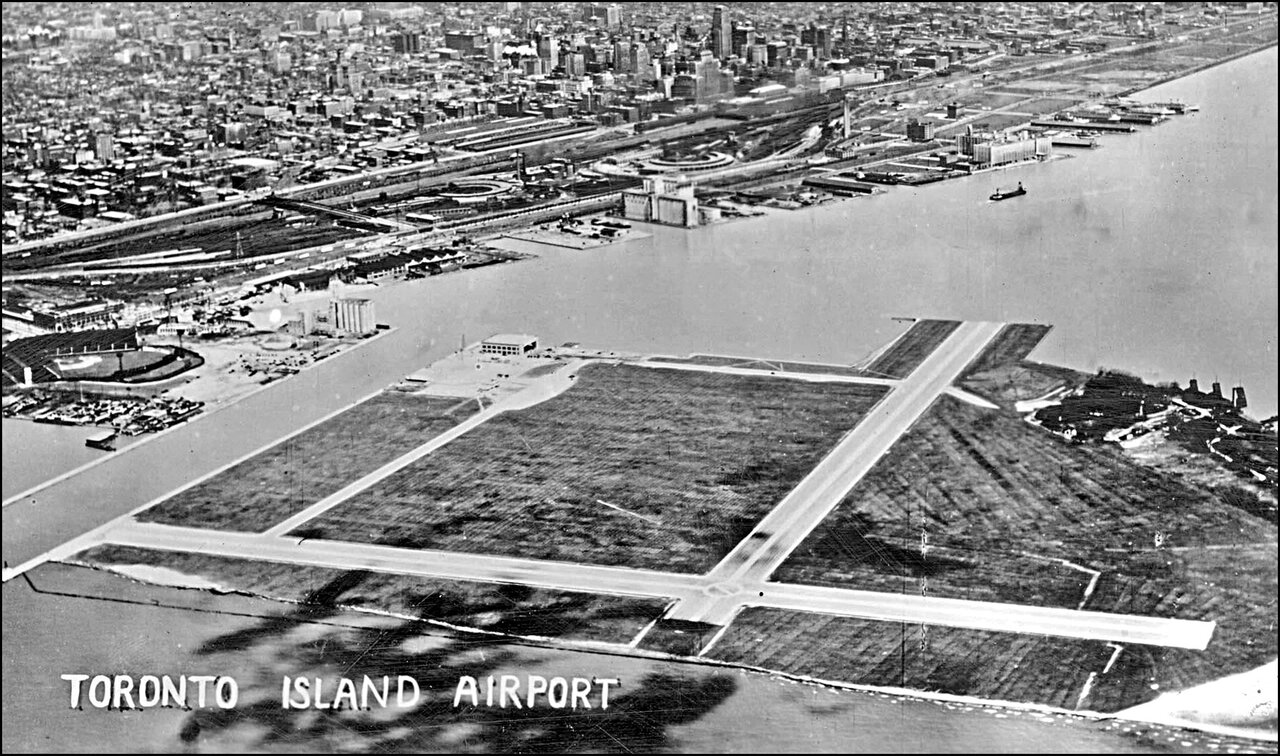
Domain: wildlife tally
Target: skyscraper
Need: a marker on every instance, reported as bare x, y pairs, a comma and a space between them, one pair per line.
721, 32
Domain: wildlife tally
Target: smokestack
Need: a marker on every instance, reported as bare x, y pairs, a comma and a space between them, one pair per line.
1195, 386
1217, 390
1237, 398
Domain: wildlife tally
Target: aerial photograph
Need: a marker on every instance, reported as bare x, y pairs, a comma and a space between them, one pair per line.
531, 377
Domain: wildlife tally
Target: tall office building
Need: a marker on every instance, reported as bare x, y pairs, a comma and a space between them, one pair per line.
407, 43
622, 60
104, 147
548, 51
575, 65
721, 32
641, 62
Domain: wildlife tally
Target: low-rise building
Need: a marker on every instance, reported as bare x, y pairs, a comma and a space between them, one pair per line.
509, 344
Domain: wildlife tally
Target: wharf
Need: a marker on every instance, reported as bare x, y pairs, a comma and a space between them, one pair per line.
1091, 126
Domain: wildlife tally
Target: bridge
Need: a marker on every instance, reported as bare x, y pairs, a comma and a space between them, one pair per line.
350, 216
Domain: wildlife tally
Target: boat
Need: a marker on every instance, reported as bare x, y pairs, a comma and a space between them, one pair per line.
1061, 139
104, 441
1003, 195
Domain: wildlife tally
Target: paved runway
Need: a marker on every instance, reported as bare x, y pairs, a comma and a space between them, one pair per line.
565, 576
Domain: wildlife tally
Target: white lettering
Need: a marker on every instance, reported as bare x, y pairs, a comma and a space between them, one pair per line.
175, 694
122, 691
346, 691
201, 680
75, 681
100, 701
400, 691
319, 703
146, 699
370, 688
226, 692
604, 691
302, 686
510, 686
537, 684
581, 689
558, 701
466, 684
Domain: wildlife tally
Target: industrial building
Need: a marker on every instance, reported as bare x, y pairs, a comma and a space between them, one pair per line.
661, 201
89, 313
988, 149
353, 316
1012, 151
919, 131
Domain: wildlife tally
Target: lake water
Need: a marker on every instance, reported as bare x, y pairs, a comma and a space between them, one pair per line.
61, 630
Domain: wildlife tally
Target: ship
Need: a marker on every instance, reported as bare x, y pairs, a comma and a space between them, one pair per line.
105, 441
1067, 139
1003, 195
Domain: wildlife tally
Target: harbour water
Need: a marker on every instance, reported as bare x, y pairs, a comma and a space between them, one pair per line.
1155, 253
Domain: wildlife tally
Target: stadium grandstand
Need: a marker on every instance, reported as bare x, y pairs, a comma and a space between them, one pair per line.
39, 354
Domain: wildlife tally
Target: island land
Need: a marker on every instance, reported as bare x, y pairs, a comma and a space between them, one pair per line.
911, 523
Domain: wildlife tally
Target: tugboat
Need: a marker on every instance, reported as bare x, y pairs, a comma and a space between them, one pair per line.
1002, 195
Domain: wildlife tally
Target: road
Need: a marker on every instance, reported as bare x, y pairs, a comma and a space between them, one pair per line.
756, 557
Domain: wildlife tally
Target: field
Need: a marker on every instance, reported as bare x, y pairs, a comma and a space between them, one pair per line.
1002, 375
1010, 384
992, 99
994, 495
1046, 105
912, 348
678, 637
141, 365
634, 466
985, 481
508, 609
107, 365
272, 486
998, 122
1014, 342
1003, 666
715, 360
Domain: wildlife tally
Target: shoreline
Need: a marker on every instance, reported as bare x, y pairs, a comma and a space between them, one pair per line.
183, 581
93, 463
1197, 69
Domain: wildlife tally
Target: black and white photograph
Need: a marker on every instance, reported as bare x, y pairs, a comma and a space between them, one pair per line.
574, 377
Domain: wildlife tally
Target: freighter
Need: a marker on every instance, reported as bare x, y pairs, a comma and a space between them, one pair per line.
1003, 195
